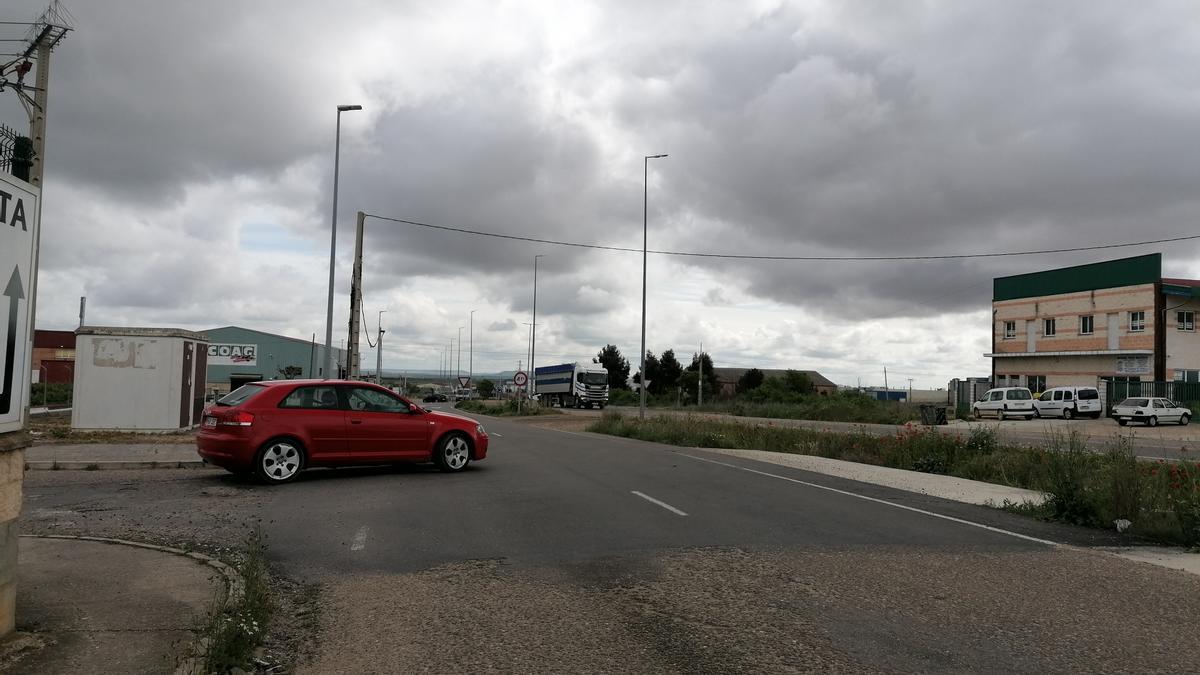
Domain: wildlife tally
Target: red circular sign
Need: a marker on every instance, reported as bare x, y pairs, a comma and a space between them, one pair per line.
520, 379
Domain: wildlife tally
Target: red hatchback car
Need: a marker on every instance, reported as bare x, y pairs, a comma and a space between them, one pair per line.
277, 428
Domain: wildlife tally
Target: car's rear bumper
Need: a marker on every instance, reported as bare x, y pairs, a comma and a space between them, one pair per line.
228, 452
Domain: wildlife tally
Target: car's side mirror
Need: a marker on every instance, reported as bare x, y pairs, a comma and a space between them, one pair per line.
415, 409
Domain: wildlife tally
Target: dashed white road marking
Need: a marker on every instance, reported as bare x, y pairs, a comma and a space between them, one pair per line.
496, 434
360, 539
877, 501
665, 505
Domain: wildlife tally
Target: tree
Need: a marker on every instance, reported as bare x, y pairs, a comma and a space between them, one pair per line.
710, 377
652, 369
616, 365
669, 370
291, 372
750, 380
797, 382
486, 388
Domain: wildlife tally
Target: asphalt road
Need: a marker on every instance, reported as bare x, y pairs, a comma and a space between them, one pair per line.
569, 552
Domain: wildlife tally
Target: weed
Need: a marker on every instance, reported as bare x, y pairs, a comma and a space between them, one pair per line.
235, 626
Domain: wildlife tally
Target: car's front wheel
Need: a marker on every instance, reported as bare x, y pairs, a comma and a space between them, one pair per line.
279, 461
1122, 422
1183, 421
1068, 413
1152, 422
453, 453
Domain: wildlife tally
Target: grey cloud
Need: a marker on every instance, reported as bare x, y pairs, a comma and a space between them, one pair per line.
501, 326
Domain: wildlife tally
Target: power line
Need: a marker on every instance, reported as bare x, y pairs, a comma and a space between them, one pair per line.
734, 256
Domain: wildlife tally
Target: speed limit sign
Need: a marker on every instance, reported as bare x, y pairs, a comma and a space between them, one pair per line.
520, 379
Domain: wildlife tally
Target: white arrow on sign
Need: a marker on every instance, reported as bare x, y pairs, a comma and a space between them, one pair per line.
463, 380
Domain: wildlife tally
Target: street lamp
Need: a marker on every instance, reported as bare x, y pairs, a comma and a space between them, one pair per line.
337, 151
645, 203
458, 367
471, 353
379, 349
533, 330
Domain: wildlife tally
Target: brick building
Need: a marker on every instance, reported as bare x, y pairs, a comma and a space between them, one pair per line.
1119, 320
54, 355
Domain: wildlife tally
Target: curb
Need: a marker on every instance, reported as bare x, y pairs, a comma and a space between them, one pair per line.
81, 465
235, 587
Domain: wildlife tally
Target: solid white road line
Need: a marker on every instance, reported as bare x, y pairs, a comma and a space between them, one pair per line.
877, 501
360, 539
665, 505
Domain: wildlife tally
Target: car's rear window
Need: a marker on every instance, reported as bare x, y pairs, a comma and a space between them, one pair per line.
240, 395
1018, 395
1088, 394
1134, 403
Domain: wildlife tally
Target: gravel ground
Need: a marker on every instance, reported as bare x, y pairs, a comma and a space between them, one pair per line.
732, 611
192, 509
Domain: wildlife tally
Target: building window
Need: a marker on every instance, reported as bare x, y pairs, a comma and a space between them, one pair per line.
1087, 325
1048, 327
1137, 322
1187, 375
1185, 320
1035, 383
1010, 330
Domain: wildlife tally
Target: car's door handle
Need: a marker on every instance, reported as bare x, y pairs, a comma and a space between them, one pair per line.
355, 421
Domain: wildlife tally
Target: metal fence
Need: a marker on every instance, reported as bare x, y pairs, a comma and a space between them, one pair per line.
1114, 391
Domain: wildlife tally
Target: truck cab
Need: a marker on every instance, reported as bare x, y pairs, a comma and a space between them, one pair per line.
572, 385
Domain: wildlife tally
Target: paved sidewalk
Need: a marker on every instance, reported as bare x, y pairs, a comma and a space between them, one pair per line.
107, 608
113, 456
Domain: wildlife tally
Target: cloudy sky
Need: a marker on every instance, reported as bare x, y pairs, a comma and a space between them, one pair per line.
190, 168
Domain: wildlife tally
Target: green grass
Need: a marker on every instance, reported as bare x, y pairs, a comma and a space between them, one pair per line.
854, 408
1161, 500
507, 408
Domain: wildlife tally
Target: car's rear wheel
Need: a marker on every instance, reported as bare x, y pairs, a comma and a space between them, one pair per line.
1152, 422
1122, 422
1037, 413
1068, 413
1184, 420
1000, 415
976, 414
453, 453
279, 461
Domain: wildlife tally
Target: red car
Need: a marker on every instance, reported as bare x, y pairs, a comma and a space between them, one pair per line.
277, 428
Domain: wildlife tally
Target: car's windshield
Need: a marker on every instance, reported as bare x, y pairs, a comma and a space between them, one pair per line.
1018, 395
1133, 403
240, 395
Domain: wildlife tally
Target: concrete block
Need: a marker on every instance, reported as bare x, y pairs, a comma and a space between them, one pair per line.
8, 607
12, 465
8, 550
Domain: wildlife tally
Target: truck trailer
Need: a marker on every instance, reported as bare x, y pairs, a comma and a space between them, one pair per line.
572, 385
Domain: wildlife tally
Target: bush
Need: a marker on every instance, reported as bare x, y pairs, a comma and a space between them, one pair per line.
53, 393
622, 397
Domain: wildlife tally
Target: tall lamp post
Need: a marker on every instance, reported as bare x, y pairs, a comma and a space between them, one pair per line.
337, 151
471, 353
645, 218
533, 331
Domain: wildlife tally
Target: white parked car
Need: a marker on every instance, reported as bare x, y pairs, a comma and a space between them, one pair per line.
1150, 411
1068, 402
1004, 402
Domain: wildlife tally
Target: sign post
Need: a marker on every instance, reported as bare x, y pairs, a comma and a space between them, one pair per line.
520, 379
18, 249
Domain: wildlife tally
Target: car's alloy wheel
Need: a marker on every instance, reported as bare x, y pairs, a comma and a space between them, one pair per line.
453, 453
1037, 413
1184, 420
1152, 422
1000, 415
279, 461
978, 415
1068, 413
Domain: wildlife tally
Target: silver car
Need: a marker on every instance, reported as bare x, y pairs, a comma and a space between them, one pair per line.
1150, 411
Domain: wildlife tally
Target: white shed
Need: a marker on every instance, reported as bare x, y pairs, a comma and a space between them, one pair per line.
138, 379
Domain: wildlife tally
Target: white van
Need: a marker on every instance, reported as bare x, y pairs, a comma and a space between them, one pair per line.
1068, 402
1005, 402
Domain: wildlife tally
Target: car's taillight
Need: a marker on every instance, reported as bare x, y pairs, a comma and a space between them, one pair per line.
238, 419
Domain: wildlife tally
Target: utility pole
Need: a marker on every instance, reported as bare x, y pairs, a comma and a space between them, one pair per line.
471, 353
910, 390
379, 349
82, 308
352, 359
700, 381
533, 333
458, 367
886, 394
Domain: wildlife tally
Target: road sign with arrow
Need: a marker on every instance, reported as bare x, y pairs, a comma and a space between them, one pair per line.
18, 234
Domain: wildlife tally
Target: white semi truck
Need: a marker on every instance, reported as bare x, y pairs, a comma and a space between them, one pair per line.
572, 385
